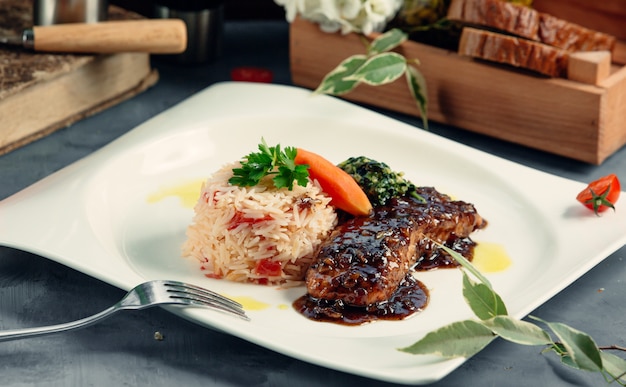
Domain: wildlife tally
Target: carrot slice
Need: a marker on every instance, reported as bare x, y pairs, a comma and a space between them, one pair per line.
345, 192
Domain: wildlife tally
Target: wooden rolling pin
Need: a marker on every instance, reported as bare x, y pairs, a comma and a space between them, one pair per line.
156, 36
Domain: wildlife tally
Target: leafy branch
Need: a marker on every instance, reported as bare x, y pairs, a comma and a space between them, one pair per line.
466, 338
379, 66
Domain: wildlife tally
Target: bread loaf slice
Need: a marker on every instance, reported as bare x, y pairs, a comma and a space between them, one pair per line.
513, 51
572, 37
528, 23
496, 14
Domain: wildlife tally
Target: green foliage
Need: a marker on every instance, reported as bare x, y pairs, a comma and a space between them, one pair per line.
465, 338
615, 367
270, 161
577, 347
484, 302
459, 339
516, 331
336, 82
417, 87
386, 42
379, 67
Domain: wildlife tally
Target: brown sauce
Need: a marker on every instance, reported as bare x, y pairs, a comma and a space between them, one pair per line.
439, 259
410, 297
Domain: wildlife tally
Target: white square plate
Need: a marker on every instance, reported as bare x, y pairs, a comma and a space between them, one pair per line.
97, 216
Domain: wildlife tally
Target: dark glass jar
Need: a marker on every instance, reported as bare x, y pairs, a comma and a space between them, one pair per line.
205, 26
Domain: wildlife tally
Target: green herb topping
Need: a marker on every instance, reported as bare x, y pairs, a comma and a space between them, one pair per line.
270, 161
379, 182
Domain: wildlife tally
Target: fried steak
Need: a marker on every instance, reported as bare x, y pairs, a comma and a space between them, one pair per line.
365, 259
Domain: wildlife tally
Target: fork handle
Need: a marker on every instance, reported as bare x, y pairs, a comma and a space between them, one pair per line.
16, 334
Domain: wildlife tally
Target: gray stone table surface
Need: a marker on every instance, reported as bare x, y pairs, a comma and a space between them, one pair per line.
123, 351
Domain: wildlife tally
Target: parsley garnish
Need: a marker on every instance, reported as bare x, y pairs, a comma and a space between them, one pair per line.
270, 161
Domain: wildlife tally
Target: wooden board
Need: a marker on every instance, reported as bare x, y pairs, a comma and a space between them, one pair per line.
560, 116
42, 92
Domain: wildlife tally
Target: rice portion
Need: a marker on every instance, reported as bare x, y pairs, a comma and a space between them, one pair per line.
257, 234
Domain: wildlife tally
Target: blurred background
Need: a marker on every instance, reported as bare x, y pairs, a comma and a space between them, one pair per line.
233, 9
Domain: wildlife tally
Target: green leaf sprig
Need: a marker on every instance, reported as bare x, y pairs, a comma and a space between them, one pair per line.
466, 338
270, 160
378, 67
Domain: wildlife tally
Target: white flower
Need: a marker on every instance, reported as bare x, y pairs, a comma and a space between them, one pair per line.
362, 16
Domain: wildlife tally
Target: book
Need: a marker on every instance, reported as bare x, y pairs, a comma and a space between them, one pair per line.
43, 92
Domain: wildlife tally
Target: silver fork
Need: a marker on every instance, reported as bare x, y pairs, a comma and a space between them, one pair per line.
143, 296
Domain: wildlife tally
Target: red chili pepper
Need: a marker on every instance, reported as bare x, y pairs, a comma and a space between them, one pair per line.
251, 74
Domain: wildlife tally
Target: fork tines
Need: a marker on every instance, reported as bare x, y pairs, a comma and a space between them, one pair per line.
203, 297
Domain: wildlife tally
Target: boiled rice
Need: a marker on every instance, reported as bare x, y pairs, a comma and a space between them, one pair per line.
234, 228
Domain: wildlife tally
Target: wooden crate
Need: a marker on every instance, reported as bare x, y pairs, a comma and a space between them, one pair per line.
581, 121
